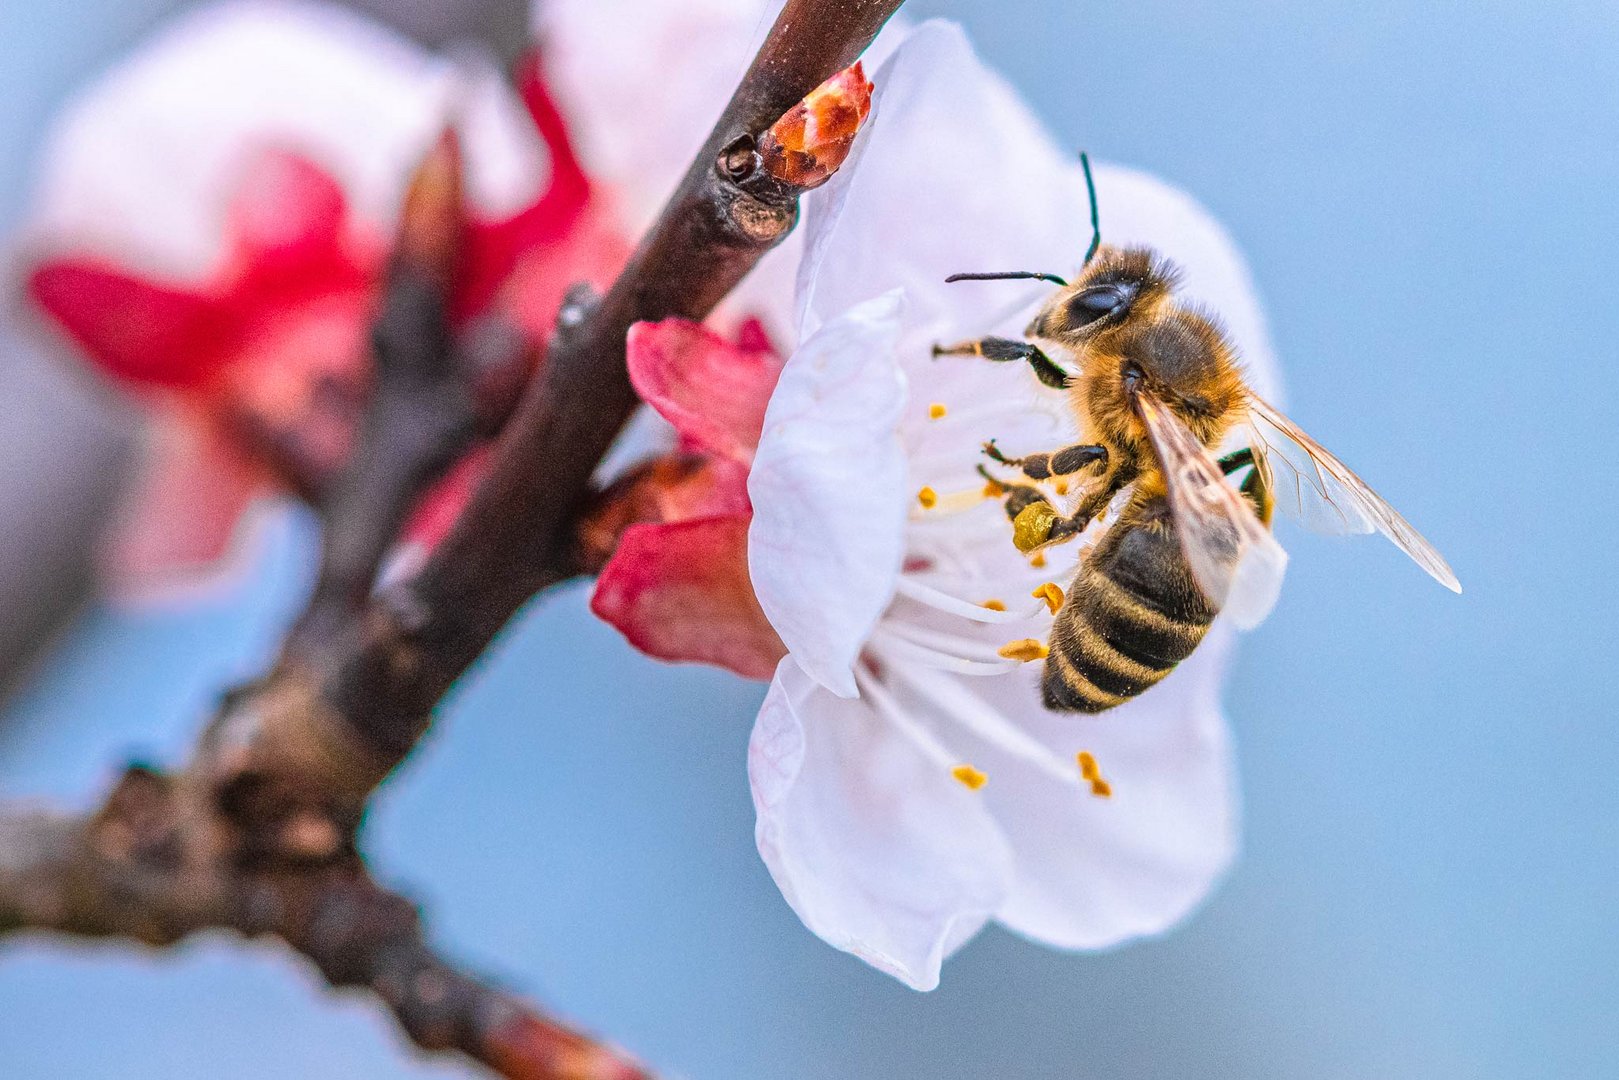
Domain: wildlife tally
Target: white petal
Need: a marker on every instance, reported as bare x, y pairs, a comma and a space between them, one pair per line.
828, 491
872, 842
950, 144
145, 159
954, 174
1095, 872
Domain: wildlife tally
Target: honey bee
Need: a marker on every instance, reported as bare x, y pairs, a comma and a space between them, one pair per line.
1157, 390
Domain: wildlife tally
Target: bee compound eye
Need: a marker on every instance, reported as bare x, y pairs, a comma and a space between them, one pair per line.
1098, 302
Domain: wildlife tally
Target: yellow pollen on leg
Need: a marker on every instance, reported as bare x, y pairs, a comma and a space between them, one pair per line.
936, 411
1024, 650
970, 777
928, 498
994, 605
1051, 593
1032, 526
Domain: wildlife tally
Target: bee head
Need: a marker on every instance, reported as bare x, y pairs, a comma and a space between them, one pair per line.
1115, 285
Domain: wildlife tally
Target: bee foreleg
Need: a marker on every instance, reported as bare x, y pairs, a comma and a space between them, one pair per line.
1005, 349
1063, 462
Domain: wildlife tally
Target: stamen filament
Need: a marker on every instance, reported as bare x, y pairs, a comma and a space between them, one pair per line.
931, 656
954, 701
913, 589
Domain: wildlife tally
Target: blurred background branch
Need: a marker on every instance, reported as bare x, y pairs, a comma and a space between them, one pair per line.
256, 832
64, 452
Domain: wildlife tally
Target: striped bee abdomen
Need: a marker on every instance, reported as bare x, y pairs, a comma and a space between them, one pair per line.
1132, 614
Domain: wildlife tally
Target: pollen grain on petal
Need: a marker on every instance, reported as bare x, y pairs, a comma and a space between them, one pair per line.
928, 498
937, 411
994, 605
1024, 650
970, 777
1051, 593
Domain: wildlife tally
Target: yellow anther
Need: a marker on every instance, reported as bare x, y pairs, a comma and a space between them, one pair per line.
1092, 772
1060, 486
1051, 594
970, 777
1032, 526
928, 498
936, 411
993, 489
994, 605
1024, 649
1037, 560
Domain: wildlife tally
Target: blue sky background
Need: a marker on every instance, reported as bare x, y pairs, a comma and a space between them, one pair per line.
1427, 194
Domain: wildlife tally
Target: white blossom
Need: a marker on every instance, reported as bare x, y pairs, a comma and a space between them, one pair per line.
894, 680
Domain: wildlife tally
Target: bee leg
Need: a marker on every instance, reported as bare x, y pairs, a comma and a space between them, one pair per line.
1036, 523
1063, 462
1005, 349
1253, 485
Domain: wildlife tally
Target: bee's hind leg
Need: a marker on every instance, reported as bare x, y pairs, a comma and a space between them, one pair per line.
1036, 522
1253, 485
1005, 349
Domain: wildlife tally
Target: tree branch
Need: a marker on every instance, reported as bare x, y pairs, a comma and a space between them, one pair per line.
257, 832
516, 536
134, 870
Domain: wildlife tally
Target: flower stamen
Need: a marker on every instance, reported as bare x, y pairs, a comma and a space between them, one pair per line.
986, 612
970, 777
1024, 650
1051, 593
937, 411
1092, 773
928, 498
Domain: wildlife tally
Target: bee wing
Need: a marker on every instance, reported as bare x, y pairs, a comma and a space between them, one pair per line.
1233, 557
1308, 481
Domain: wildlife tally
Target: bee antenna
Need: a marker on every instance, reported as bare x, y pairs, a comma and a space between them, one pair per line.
1096, 217
1006, 275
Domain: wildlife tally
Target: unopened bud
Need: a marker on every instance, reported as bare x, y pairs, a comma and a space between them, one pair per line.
432, 224
813, 138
